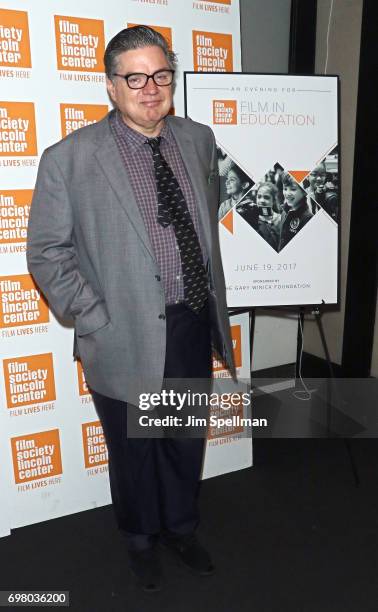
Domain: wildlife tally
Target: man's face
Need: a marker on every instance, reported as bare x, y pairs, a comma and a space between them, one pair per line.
141, 109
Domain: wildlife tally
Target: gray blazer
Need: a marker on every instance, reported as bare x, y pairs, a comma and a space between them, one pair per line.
89, 252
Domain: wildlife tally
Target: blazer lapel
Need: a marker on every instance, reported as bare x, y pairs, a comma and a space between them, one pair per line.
190, 158
109, 158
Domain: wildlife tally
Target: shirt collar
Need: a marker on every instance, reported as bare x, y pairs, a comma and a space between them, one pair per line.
135, 140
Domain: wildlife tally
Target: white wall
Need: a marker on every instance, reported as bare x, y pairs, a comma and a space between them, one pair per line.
265, 36
343, 59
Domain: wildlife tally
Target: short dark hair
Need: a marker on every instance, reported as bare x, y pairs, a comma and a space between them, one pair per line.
136, 37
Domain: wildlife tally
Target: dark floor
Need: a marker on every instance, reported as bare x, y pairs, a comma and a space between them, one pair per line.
294, 533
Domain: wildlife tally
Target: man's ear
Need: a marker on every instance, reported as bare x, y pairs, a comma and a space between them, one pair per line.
246, 185
111, 88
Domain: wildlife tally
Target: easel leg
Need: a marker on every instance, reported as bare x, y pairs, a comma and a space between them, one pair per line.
329, 395
299, 342
252, 319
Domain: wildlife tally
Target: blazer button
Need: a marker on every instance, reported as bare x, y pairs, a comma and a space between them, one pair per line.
162, 316
157, 277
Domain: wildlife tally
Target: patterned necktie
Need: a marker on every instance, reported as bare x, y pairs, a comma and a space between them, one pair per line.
172, 208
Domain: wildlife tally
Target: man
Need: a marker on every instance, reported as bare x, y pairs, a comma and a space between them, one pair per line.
106, 247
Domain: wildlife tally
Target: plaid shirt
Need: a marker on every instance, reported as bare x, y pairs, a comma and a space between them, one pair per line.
137, 157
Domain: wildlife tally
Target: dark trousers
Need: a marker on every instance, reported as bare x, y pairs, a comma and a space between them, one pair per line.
154, 481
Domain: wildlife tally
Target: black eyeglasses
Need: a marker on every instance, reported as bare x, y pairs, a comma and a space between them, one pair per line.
138, 80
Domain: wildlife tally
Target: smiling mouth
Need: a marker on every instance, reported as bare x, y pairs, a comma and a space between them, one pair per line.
151, 102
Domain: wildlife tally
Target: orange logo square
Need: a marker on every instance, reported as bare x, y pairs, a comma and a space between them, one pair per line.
36, 456
82, 383
212, 52
21, 302
223, 428
14, 39
14, 215
75, 116
18, 135
95, 450
236, 345
80, 44
225, 112
164, 31
29, 380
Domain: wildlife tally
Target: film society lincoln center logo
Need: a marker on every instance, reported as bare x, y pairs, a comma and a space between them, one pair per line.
95, 450
14, 215
14, 39
218, 365
80, 43
212, 52
21, 302
225, 112
82, 384
29, 380
75, 116
17, 129
225, 432
36, 456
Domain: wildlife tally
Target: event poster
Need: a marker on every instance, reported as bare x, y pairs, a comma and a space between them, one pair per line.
279, 205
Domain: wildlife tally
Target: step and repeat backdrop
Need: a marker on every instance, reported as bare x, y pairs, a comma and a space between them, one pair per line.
53, 457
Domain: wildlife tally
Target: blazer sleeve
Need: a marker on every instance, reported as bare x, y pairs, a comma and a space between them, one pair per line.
51, 255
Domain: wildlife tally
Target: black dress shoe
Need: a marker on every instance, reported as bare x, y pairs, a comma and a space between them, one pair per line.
146, 568
190, 552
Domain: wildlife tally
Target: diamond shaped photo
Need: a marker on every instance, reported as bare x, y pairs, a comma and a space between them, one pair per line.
235, 184
277, 207
322, 185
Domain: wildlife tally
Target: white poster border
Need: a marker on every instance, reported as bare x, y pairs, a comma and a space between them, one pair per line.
319, 273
